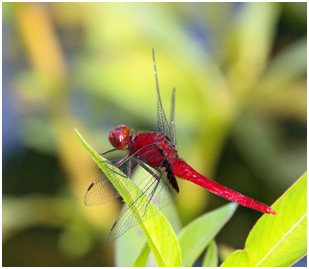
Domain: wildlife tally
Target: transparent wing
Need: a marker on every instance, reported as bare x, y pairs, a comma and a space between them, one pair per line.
163, 125
157, 192
153, 183
100, 191
173, 132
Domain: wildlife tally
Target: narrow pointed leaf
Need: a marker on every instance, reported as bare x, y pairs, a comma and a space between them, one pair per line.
278, 240
196, 235
256, 26
157, 230
211, 256
123, 257
141, 260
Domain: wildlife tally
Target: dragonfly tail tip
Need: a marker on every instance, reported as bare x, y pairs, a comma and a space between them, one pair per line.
271, 211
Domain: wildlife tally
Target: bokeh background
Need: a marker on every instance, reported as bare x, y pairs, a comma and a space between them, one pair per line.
240, 75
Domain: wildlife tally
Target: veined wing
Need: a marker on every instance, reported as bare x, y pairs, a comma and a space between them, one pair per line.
100, 191
173, 131
156, 192
163, 126
155, 195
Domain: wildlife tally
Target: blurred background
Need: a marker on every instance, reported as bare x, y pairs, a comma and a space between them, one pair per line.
240, 75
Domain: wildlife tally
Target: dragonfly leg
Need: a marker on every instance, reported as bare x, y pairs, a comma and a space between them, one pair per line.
115, 172
148, 170
157, 177
151, 196
129, 168
123, 159
107, 161
111, 150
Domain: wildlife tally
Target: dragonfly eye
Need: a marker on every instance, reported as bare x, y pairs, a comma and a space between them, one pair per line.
119, 137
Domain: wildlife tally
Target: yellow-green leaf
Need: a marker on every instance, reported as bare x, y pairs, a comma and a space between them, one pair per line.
278, 240
194, 238
211, 256
141, 260
157, 230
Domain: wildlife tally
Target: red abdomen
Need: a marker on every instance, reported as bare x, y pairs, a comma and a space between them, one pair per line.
183, 170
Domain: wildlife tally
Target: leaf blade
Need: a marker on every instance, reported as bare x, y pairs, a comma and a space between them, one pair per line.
157, 230
141, 260
195, 236
271, 242
211, 256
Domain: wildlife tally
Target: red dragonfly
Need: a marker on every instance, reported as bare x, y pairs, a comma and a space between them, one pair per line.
155, 153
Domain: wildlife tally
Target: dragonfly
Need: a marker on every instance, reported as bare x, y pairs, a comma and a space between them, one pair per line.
152, 163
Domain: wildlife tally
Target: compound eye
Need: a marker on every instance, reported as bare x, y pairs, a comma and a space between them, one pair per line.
124, 129
119, 137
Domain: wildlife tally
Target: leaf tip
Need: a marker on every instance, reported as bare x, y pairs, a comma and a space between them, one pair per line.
75, 129
233, 206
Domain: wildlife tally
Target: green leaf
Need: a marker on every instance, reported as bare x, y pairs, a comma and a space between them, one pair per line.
211, 256
123, 257
278, 240
157, 230
196, 235
287, 66
141, 260
256, 27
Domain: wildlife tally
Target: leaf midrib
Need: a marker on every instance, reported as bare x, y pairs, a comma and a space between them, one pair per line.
281, 239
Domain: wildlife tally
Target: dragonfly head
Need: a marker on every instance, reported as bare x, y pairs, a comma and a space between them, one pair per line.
119, 137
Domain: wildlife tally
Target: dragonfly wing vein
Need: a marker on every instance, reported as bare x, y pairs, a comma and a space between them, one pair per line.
158, 193
100, 191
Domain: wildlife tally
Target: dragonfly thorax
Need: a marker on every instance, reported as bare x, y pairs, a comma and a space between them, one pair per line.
120, 137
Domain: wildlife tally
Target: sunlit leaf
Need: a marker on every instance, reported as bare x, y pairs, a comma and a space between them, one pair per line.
196, 235
278, 240
157, 230
256, 26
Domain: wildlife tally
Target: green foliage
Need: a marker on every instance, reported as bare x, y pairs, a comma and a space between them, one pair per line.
194, 238
278, 240
274, 241
240, 73
158, 232
143, 257
211, 256
123, 257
